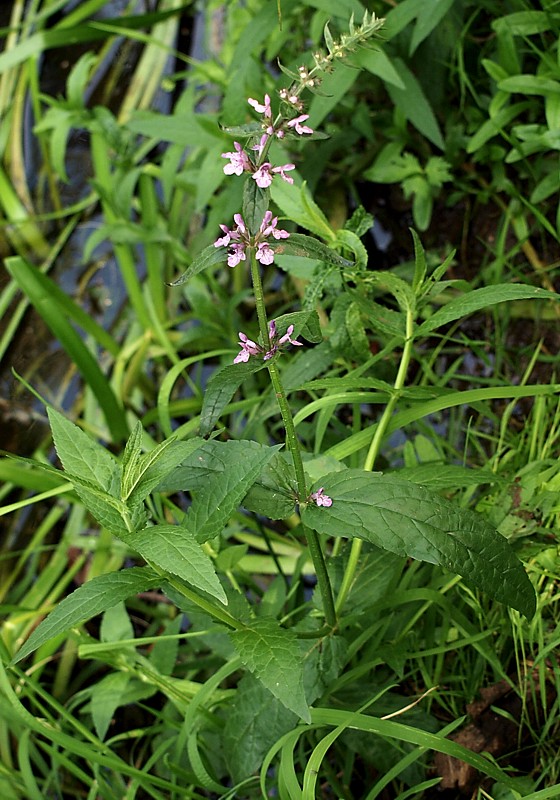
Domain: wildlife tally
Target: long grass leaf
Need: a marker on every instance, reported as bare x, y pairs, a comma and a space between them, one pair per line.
38, 287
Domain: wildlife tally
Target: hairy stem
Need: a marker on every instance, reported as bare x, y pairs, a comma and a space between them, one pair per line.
313, 541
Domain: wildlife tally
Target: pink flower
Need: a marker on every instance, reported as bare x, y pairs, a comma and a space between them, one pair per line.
248, 348
287, 337
224, 240
268, 227
265, 253
239, 161
235, 240
296, 123
236, 254
281, 170
321, 499
238, 239
262, 176
266, 172
260, 108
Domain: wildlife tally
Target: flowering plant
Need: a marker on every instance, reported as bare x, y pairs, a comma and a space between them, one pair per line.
287, 653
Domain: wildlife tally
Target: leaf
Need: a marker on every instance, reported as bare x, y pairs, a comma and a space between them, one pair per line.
152, 467
207, 258
193, 472
174, 549
353, 243
241, 463
249, 129
412, 102
482, 298
38, 288
109, 511
409, 520
323, 662
529, 84
523, 23
379, 63
306, 324
106, 697
300, 245
440, 477
255, 721
81, 455
496, 124
273, 655
220, 389
298, 205
428, 19
94, 597
274, 493
255, 205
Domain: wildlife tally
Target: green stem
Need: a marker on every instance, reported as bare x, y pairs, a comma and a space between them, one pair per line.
214, 611
374, 450
313, 541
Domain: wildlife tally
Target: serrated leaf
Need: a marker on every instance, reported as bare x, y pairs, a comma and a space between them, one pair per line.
300, 245
274, 493
322, 664
306, 324
255, 205
352, 242
131, 454
482, 298
94, 597
192, 473
81, 455
152, 467
409, 520
250, 129
273, 655
107, 510
220, 389
207, 258
174, 549
380, 318
249, 735
241, 463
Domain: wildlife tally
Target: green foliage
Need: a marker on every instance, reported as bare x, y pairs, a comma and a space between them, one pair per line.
217, 542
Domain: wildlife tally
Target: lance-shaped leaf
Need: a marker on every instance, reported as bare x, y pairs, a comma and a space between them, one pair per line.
250, 129
255, 205
81, 455
241, 463
477, 299
148, 470
220, 389
409, 520
306, 324
273, 655
94, 597
206, 258
174, 549
301, 245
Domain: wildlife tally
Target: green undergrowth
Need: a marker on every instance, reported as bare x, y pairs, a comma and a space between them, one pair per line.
182, 616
